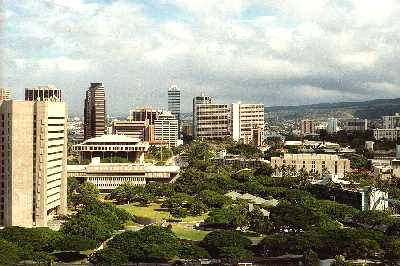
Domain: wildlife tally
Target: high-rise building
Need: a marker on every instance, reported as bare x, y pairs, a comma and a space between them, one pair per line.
166, 129
391, 121
197, 101
33, 152
95, 111
5, 94
174, 101
43, 93
245, 118
332, 126
212, 121
133, 129
307, 127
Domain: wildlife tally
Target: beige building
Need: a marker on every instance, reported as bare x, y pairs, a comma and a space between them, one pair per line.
387, 133
312, 163
33, 147
212, 121
355, 124
148, 114
5, 94
133, 129
43, 93
245, 119
108, 176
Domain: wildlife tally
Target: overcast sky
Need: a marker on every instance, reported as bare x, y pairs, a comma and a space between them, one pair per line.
278, 52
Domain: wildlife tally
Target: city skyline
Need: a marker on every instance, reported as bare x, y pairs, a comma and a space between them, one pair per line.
256, 51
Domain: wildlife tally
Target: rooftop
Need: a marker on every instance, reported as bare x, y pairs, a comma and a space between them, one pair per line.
111, 139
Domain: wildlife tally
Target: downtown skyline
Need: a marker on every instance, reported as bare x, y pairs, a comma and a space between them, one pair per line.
283, 53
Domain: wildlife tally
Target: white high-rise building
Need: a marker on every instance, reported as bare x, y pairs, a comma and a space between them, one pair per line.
197, 100
245, 118
166, 129
33, 152
332, 125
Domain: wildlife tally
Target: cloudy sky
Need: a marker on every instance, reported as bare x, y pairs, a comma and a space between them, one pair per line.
279, 52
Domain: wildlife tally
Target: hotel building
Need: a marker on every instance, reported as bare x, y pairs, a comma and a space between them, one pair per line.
95, 111
33, 152
312, 163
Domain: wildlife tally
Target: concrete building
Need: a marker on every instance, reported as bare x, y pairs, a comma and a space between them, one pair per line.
312, 163
43, 93
391, 134
166, 129
332, 126
133, 129
5, 94
391, 121
95, 111
187, 129
144, 113
212, 121
174, 101
197, 101
307, 127
246, 118
355, 124
33, 152
108, 176
110, 146
369, 145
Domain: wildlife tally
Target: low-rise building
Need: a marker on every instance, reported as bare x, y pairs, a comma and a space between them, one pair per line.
355, 124
391, 134
108, 176
109, 146
133, 129
321, 164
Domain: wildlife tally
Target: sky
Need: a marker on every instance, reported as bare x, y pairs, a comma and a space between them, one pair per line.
285, 52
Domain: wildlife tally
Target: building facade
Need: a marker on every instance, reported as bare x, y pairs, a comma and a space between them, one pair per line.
307, 127
391, 121
133, 129
5, 94
332, 126
33, 152
245, 120
111, 146
148, 114
197, 101
43, 93
95, 111
108, 176
312, 163
391, 134
166, 129
356, 124
212, 121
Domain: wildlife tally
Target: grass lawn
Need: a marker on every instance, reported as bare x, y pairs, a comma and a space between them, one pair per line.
188, 232
155, 212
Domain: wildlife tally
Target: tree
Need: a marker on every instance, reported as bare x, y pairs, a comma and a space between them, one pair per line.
89, 226
212, 199
109, 256
392, 249
363, 248
88, 193
227, 243
181, 204
233, 254
373, 218
259, 223
192, 251
231, 216
339, 261
337, 211
310, 258
245, 150
75, 243
9, 253
72, 186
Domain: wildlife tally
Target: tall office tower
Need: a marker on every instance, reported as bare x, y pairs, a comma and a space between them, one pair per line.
245, 118
307, 127
212, 121
5, 94
166, 129
174, 101
197, 101
144, 113
33, 152
391, 121
43, 93
95, 111
332, 125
